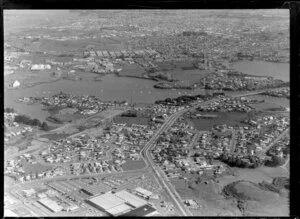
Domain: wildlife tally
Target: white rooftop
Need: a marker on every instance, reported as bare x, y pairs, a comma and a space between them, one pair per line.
29, 191
107, 201
120, 209
51, 204
16, 84
131, 199
143, 191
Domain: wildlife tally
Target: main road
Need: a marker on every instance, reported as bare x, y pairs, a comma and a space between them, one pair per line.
162, 179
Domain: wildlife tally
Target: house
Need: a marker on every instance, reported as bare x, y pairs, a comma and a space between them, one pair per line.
40, 67
16, 84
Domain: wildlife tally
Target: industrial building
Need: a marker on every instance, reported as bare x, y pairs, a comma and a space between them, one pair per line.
50, 204
110, 204
143, 192
16, 84
118, 203
95, 190
131, 199
40, 67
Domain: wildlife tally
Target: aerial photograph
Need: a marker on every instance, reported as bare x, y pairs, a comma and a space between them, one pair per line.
146, 113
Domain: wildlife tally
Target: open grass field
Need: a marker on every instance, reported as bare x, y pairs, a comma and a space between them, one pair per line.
247, 190
263, 106
165, 66
55, 136
287, 166
133, 165
254, 175
22, 212
230, 118
35, 168
68, 117
132, 120
93, 121
8, 181
275, 101
215, 204
208, 196
257, 201
10, 150
184, 65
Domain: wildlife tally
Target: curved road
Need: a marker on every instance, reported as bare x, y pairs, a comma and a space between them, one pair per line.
158, 173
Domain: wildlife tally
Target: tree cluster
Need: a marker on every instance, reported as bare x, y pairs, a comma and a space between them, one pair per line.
194, 33
182, 100
32, 122
281, 182
129, 113
242, 162
275, 161
54, 120
9, 110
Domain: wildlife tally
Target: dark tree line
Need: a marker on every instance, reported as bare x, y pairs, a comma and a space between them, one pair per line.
32, 122
275, 161
181, 100
129, 113
242, 162
9, 110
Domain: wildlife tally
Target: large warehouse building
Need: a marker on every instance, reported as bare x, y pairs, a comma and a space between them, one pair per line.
131, 199
118, 203
50, 204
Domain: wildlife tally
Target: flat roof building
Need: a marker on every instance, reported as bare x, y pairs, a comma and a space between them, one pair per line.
50, 204
143, 192
120, 209
107, 201
110, 203
118, 203
16, 84
131, 199
40, 67
29, 192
